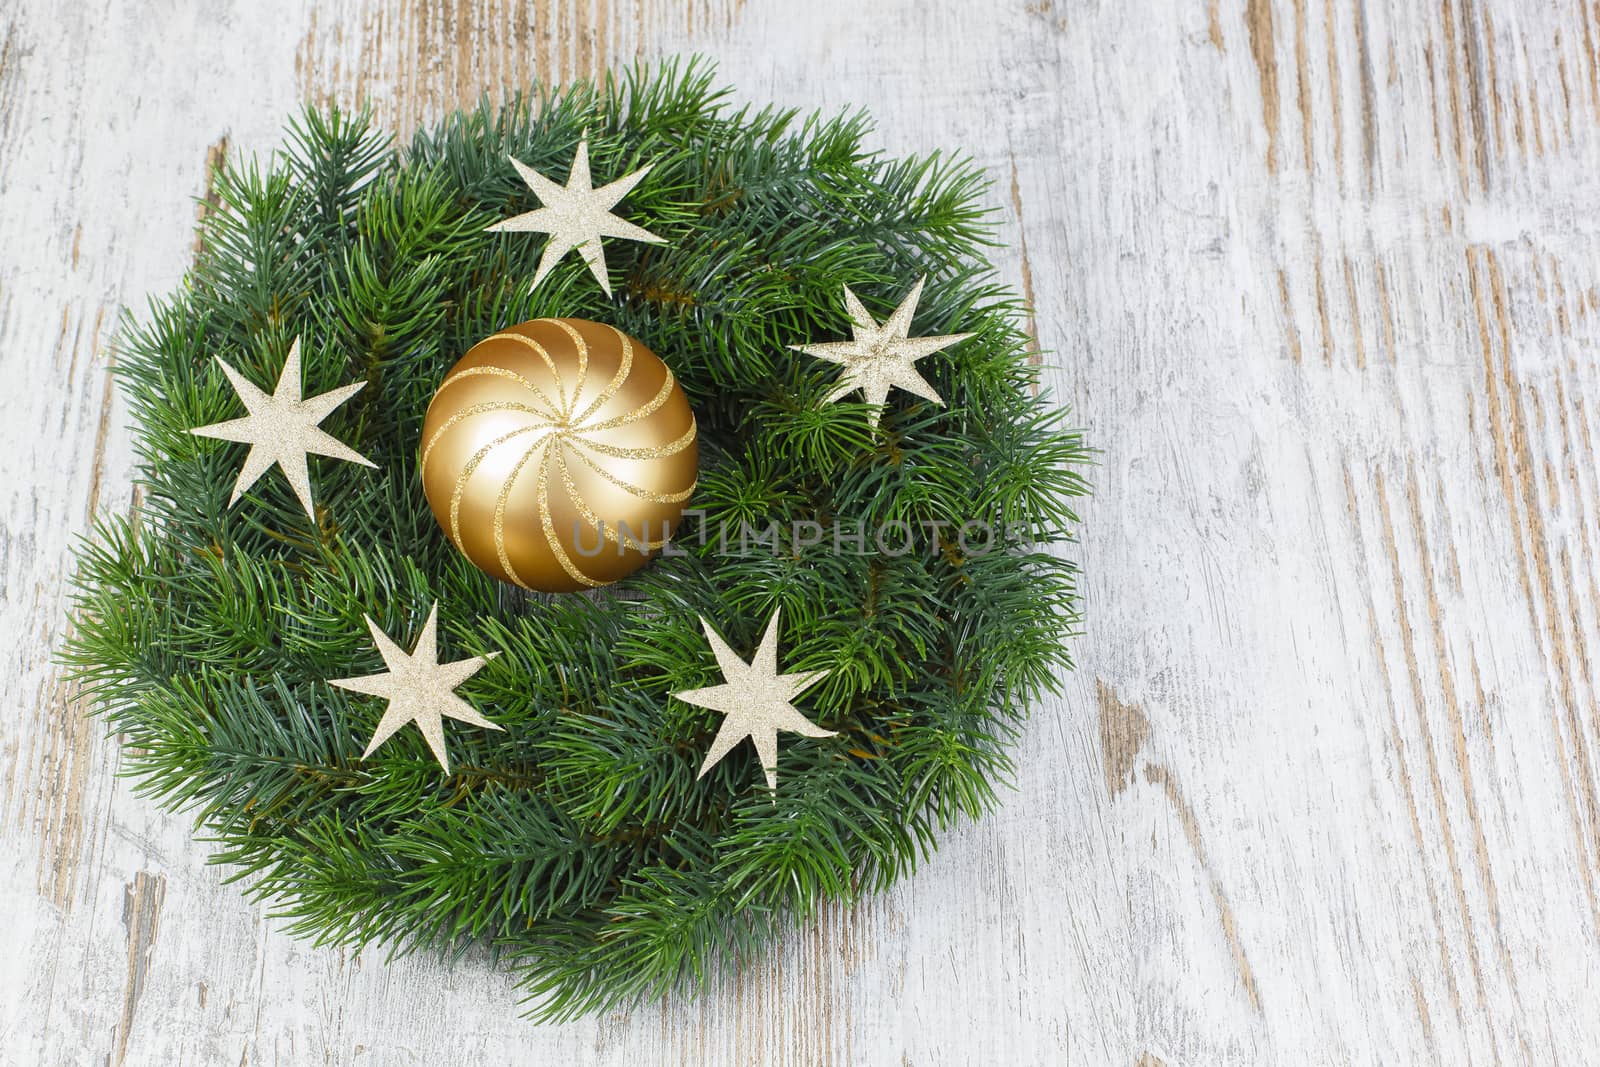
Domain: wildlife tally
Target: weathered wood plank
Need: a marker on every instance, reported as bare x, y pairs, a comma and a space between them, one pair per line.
1320, 280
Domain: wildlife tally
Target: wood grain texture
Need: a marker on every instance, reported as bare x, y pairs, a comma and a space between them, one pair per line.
1322, 282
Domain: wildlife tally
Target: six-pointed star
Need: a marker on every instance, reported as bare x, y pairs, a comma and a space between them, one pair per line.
282, 428
419, 688
881, 357
577, 215
756, 700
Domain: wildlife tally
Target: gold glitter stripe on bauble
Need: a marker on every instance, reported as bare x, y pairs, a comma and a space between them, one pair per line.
555, 372
642, 494
671, 448
550, 527
482, 408
589, 516
624, 369
500, 372
650, 407
498, 528
471, 467
583, 361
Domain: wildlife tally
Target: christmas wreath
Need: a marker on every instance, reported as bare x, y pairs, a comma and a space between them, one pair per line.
844, 410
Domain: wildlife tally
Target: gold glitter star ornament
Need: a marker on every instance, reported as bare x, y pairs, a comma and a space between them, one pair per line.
577, 215
282, 428
881, 357
756, 700
418, 688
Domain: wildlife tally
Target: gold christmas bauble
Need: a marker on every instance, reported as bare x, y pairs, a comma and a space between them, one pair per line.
558, 454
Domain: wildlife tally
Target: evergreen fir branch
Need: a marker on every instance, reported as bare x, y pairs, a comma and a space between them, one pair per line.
580, 842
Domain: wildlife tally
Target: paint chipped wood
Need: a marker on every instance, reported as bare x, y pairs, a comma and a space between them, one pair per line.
1319, 280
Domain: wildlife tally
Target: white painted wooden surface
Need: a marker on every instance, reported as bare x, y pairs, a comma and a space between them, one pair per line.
1319, 278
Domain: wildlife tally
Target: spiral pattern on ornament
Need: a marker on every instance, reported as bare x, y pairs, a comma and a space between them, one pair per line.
553, 436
